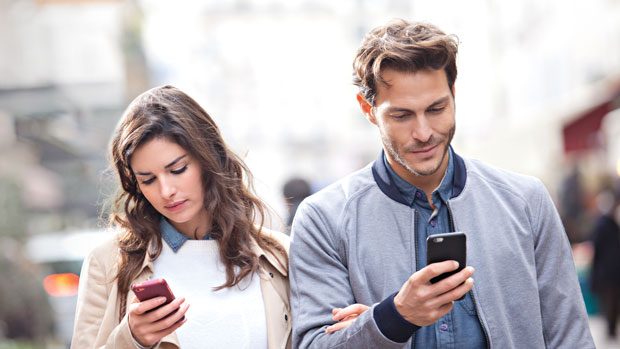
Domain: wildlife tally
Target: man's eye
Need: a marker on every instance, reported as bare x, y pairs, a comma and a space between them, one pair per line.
180, 170
436, 110
399, 116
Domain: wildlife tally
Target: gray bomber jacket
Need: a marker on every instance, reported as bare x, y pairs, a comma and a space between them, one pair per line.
354, 242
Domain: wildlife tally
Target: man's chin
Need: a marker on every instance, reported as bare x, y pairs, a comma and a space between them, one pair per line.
424, 168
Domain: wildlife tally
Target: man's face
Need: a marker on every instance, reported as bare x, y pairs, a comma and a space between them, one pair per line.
415, 116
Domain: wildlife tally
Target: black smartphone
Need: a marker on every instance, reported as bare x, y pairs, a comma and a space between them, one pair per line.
447, 246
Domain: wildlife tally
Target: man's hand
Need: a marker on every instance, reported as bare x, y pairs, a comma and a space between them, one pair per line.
422, 303
346, 316
149, 327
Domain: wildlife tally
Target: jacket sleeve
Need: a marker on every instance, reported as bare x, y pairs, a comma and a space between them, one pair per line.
319, 283
93, 295
564, 317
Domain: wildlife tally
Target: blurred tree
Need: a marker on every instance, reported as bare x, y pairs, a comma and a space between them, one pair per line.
24, 308
25, 312
12, 214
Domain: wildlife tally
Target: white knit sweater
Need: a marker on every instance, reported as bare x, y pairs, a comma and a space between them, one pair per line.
229, 318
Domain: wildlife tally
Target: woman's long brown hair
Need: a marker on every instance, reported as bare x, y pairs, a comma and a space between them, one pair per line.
235, 212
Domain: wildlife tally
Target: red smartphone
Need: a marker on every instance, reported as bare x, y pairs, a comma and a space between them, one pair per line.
154, 288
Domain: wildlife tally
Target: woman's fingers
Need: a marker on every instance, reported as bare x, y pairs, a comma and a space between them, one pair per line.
346, 316
353, 309
340, 325
149, 322
140, 308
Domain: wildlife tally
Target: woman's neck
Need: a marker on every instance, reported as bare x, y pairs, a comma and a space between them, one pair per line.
196, 228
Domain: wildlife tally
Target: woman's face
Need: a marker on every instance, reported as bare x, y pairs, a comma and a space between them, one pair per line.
169, 178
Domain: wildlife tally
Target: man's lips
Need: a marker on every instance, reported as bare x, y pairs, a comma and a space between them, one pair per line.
424, 151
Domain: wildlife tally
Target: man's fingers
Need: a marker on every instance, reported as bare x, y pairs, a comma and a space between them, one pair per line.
353, 309
457, 292
436, 269
445, 309
454, 281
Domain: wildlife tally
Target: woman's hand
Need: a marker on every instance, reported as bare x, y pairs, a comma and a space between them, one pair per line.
346, 316
149, 327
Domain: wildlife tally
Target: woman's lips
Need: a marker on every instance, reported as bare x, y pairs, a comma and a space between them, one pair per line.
175, 206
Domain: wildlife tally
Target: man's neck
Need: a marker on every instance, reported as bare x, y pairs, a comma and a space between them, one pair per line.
425, 183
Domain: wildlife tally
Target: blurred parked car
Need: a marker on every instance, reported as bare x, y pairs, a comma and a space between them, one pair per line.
60, 255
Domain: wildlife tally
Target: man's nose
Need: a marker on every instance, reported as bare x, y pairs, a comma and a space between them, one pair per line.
422, 130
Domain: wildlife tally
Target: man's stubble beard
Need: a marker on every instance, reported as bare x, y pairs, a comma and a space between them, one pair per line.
392, 148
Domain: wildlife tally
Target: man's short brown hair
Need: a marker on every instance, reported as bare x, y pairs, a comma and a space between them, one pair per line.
403, 46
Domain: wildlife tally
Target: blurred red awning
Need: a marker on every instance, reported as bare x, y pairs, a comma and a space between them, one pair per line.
581, 134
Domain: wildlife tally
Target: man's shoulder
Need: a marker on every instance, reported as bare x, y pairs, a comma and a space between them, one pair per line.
479, 171
344, 189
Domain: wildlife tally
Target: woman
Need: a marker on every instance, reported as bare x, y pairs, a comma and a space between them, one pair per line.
188, 216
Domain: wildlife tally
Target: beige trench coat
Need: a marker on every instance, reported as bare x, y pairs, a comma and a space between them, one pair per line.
98, 304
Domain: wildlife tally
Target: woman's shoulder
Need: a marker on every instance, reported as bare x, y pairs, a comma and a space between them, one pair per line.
106, 251
279, 237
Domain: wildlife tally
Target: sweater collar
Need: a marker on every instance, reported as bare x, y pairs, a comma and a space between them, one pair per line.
173, 237
277, 263
389, 188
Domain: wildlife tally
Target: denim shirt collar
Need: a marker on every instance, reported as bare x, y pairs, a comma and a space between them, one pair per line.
173, 237
409, 191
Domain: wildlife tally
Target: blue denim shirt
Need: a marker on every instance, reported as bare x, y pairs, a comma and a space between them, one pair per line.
173, 237
460, 328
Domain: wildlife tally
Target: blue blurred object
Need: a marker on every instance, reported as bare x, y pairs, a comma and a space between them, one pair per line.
583, 274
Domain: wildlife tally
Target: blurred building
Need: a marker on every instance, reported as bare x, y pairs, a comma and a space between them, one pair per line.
62, 88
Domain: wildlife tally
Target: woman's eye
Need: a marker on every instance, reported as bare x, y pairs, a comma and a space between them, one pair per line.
180, 170
148, 181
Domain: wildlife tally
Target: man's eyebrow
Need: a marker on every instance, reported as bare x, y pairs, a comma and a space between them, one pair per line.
397, 110
167, 166
440, 101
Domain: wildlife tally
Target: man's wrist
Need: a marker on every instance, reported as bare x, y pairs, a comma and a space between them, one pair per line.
391, 323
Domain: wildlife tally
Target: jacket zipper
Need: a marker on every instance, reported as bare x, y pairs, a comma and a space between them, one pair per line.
473, 299
417, 255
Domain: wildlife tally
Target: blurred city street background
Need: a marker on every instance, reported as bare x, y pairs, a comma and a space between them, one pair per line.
538, 92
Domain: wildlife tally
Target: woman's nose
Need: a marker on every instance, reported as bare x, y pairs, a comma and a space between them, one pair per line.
167, 188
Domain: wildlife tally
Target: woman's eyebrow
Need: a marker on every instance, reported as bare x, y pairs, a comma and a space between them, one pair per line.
167, 166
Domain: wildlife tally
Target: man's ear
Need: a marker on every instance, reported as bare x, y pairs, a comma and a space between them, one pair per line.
366, 108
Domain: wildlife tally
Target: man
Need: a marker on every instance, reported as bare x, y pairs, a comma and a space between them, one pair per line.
362, 239
605, 277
